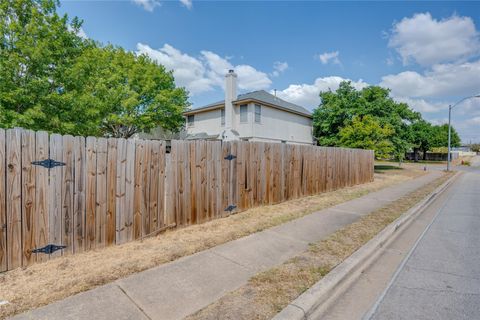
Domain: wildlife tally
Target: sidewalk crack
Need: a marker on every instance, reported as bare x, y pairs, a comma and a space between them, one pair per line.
133, 301
231, 260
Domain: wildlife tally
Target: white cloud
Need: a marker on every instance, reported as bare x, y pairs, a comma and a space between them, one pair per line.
307, 95
187, 3
428, 41
327, 57
206, 72
148, 5
279, 67
441, 81
423, 105
474, 121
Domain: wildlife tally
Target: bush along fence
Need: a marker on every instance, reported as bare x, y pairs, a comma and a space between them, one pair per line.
77, 194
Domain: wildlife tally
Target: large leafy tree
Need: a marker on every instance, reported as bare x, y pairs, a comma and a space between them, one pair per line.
52, 79
439, 137
339, 108
125, 93
421, 137
36, 47
367, 133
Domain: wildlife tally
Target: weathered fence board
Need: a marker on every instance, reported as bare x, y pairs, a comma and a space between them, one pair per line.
3, 211
28, 196
111, 191
55, 193
14, 198
41, 194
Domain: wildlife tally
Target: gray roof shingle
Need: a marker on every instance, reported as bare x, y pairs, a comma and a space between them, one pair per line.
263, 96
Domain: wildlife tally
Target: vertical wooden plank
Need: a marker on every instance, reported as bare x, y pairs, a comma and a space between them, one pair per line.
129, 189
41, 198
225, 173
28, 196
153, 190
161, 222
68, 172
171, 189
234, 192
55, 194
209, 180
91, 192
101, 193
146, 187
187, 160
218, 173
138, 189
79, 195
110, 219
3, 211
181, 172
202, 179
14, 199
120, 193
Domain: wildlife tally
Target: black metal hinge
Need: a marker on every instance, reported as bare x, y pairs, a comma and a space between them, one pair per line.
48, 249
48, 163
230, 157
230, 208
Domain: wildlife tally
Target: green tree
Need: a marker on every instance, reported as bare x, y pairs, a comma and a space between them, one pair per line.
36, 47
52, 79
124, 93
440, 136
421, 137
338, 109
367, 133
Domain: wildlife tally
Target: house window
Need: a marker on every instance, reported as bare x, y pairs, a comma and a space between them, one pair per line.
222, 111
258, 113
243, 113
191, 120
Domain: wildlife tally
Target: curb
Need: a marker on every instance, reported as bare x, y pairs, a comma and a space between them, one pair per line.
346, 272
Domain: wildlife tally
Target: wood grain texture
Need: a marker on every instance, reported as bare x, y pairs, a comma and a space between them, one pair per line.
120, 193
29, 215
68, 172
110, 219
139, 202
3, 209
42, 190
79, 214
129, 189
14, 198
91, 192
101, 193
55, 194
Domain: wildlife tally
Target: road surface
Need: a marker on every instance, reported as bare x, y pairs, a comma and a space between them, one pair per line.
431, 271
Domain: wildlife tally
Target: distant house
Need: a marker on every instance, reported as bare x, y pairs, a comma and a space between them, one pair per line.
254, 116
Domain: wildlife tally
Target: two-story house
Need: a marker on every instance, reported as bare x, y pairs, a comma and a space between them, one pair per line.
254, 116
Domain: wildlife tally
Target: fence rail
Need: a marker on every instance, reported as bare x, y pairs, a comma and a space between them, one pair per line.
98, 192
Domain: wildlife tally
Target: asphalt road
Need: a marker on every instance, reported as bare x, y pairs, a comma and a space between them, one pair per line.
440, 277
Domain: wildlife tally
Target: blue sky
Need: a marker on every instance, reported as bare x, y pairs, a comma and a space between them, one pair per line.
428, 53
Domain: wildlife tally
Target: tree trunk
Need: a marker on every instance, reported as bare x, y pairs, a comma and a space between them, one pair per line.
415, 154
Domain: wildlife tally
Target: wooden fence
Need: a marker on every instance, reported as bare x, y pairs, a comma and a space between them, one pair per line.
101, 192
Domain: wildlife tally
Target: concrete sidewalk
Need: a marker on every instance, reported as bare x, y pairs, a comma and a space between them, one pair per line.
180, 288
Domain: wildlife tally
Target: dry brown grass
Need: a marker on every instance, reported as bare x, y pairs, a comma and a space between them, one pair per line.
269, 292
56, 279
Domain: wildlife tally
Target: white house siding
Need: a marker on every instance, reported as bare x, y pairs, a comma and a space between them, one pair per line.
284, 126
207, 122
